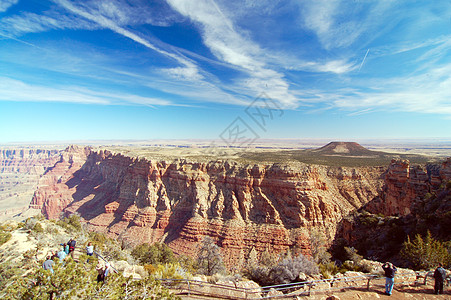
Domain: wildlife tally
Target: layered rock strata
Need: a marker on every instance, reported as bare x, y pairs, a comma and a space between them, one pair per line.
405, 185
20, 170
242, 207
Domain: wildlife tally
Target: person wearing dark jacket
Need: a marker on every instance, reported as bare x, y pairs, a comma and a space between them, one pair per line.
390, 271
439, 276
71, 243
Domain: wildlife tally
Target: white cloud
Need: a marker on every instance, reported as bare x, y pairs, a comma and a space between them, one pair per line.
105, 22
189, 74
16, 90
340, 66
428, 92
5, 4
339, 23
229, 45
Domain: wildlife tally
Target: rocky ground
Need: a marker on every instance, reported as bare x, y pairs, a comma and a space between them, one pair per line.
412, 292
401, 293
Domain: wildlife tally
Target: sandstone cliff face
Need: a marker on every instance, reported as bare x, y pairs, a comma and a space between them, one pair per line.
405, 185
32, 161
242, 207
53, 192
20, 170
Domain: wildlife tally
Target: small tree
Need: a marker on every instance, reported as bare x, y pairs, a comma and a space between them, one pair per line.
288, 270
209, 258
318, 247
425, 253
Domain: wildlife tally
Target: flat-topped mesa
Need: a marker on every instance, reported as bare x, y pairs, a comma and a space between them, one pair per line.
344, 148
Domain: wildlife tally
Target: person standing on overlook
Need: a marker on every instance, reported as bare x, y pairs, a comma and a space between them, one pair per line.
89, 250
390, 271
71, 243
439, 276
48, 264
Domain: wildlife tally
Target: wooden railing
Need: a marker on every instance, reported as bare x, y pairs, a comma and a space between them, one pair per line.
285, 291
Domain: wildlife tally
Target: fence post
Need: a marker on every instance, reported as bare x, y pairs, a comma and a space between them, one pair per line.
188, 288
309, 288
368, 284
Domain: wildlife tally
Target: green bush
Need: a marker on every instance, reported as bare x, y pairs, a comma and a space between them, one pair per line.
158, 253
7, 271
368, 220
350, 266
425, 253
351, 254
4, 235
71, 223
187, 263
78, 281
38, 228
170, 271
328, 269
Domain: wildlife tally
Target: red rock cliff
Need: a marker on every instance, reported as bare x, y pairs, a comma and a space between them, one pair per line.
20, 170
242, 207
406, 184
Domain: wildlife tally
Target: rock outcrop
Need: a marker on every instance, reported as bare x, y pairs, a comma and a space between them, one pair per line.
55, 191
405, 185
242, 207
20, 170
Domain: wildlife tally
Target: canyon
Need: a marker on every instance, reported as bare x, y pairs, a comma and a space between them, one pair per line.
20, 170
242, 206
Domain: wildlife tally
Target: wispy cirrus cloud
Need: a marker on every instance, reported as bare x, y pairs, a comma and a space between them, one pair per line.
340, 24
227, 44
17, 90
256, 64
28, 22
339, 66
5, 4
424, 93
105, 22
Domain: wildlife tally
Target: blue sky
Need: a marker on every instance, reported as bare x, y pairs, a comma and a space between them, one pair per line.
179, 69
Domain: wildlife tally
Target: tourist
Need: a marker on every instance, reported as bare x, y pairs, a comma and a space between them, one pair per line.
101, 271
390, 271
65, 247
48, 264
439, 276
61, 254
54, 255
71, 243
89, 250
107, 271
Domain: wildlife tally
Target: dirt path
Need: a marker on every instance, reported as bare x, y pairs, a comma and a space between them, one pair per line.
399, 293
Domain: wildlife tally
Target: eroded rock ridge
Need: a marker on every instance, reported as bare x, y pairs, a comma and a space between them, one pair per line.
242, 207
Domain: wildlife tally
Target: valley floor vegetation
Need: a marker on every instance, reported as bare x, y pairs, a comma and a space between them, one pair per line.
22, 275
